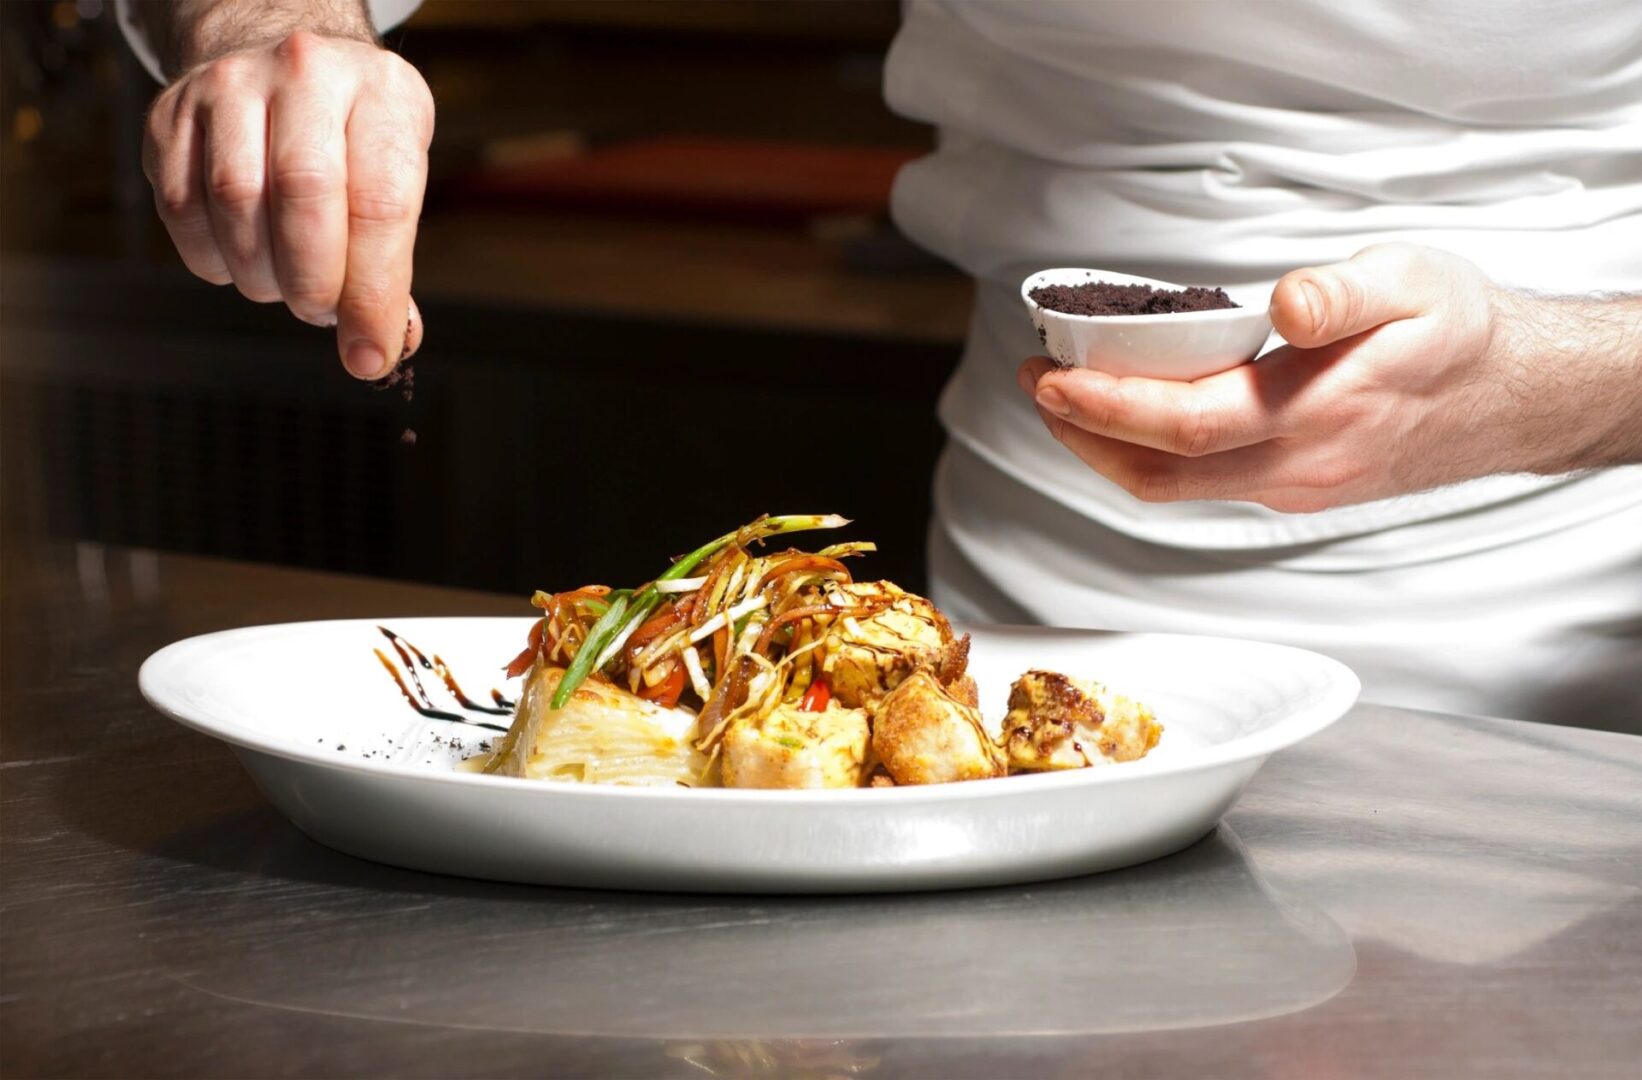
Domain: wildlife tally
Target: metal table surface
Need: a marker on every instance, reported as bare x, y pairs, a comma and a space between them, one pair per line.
1409, 894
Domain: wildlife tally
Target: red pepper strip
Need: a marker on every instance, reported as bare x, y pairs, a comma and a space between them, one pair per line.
803, 562
816, 697
666, 692
521, 663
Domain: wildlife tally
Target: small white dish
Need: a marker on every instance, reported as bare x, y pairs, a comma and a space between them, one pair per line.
326, 735
1185, 346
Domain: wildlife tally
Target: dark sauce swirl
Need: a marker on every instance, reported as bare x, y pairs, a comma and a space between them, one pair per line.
419, 699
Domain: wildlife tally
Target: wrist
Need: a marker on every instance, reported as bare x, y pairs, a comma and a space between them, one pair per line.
1572, 369
188, 33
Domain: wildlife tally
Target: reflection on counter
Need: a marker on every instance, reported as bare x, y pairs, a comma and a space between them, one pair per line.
1192, 940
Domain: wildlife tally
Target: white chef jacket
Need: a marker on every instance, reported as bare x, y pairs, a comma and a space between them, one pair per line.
1226, 143
1221, 144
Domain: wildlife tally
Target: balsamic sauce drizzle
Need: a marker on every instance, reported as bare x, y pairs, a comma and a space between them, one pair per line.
420, 700
461, 698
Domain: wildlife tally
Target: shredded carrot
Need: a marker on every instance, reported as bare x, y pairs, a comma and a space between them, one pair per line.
666, 692
660, 623
803, 562
793, 615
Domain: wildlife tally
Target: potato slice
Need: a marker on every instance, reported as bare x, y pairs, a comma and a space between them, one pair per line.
603, 735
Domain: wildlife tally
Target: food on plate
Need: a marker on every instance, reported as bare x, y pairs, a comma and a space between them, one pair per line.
1110, 298
924, 735
867, 656
602, 735
741, 666
794, 747
1059, 722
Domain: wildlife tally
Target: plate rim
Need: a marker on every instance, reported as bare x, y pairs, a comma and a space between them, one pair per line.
1343, 689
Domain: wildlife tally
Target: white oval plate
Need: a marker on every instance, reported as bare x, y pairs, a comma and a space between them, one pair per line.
328, 738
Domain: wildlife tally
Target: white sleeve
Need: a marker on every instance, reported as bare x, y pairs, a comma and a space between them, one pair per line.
385, 15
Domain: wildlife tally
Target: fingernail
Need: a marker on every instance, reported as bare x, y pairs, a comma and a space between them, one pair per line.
1314, 305
1053, 401
365, 360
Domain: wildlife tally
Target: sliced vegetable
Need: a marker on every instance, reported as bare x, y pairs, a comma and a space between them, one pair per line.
698, 677
666, 692
805, 563
816, 697
616, 625
597, 638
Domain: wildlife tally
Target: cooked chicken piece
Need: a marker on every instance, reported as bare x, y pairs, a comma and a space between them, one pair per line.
790, 748
1057, 722
951, 662
924, 735
868, 656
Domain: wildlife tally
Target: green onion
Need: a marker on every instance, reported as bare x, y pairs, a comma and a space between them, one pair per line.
623, 618
845, 550
582, 666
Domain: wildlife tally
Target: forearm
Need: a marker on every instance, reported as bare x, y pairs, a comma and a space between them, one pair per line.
1577, 364
187, 33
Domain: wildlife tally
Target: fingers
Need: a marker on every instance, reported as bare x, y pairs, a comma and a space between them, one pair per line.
308, 202
236, 140
1320, 305
1267, 473
173, 161
387, 171
1213, 415
296, 170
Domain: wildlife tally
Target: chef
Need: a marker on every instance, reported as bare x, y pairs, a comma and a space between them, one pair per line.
1434, 475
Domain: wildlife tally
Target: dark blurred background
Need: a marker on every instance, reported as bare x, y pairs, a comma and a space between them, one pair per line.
661, 290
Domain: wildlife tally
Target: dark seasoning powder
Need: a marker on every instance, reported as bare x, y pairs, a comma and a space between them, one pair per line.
1108, 298
402, 379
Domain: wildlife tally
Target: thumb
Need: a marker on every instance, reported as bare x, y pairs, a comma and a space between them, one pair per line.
1320, 305
414, 331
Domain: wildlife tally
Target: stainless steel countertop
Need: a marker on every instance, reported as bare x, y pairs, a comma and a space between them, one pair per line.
1408, 894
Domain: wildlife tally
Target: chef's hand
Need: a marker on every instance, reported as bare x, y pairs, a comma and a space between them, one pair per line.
292, 164
1406, 369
